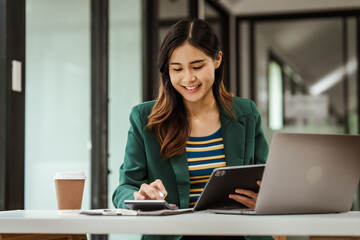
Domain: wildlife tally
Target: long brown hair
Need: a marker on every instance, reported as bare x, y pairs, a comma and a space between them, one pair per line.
168, 119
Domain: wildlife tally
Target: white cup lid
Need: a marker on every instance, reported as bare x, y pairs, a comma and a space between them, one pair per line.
70, 175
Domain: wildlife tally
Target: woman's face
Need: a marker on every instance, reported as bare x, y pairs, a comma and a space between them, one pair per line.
192, 73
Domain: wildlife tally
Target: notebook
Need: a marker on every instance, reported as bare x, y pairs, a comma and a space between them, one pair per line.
307, 173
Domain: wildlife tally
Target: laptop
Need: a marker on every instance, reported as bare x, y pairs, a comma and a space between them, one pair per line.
307, 173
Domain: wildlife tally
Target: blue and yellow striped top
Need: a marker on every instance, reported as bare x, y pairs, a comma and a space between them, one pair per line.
203, 154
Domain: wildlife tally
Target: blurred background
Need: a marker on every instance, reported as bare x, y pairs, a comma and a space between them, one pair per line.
88, 62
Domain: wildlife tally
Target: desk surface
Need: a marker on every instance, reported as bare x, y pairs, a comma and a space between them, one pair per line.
200, 223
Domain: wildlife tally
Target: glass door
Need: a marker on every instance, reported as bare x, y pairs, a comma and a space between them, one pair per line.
57, 111
314, 78
306, 76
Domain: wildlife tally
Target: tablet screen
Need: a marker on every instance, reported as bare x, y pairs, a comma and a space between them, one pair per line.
223, 181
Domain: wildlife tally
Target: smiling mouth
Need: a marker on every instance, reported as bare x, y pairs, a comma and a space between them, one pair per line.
192, 87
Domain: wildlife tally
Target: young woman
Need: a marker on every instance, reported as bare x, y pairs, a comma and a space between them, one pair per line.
194, 126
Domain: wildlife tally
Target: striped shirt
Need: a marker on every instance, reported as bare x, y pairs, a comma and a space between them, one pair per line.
203, 154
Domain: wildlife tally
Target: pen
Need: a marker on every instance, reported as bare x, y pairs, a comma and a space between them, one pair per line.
160, 193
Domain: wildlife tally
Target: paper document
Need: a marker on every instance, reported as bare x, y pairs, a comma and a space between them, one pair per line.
128, 212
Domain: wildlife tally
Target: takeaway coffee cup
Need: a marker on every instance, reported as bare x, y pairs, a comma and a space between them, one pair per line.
69, 190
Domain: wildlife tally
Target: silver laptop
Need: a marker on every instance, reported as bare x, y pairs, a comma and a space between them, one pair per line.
308, 173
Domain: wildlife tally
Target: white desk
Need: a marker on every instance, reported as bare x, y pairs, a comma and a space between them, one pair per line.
202, 223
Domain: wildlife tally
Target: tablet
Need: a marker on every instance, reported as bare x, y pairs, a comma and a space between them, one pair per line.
224, 181
149, 205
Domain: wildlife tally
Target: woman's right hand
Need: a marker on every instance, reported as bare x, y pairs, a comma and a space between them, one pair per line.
152, 191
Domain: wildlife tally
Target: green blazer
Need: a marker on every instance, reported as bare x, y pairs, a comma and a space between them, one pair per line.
244, 144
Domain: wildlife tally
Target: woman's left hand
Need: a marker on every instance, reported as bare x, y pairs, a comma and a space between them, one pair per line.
249, 199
